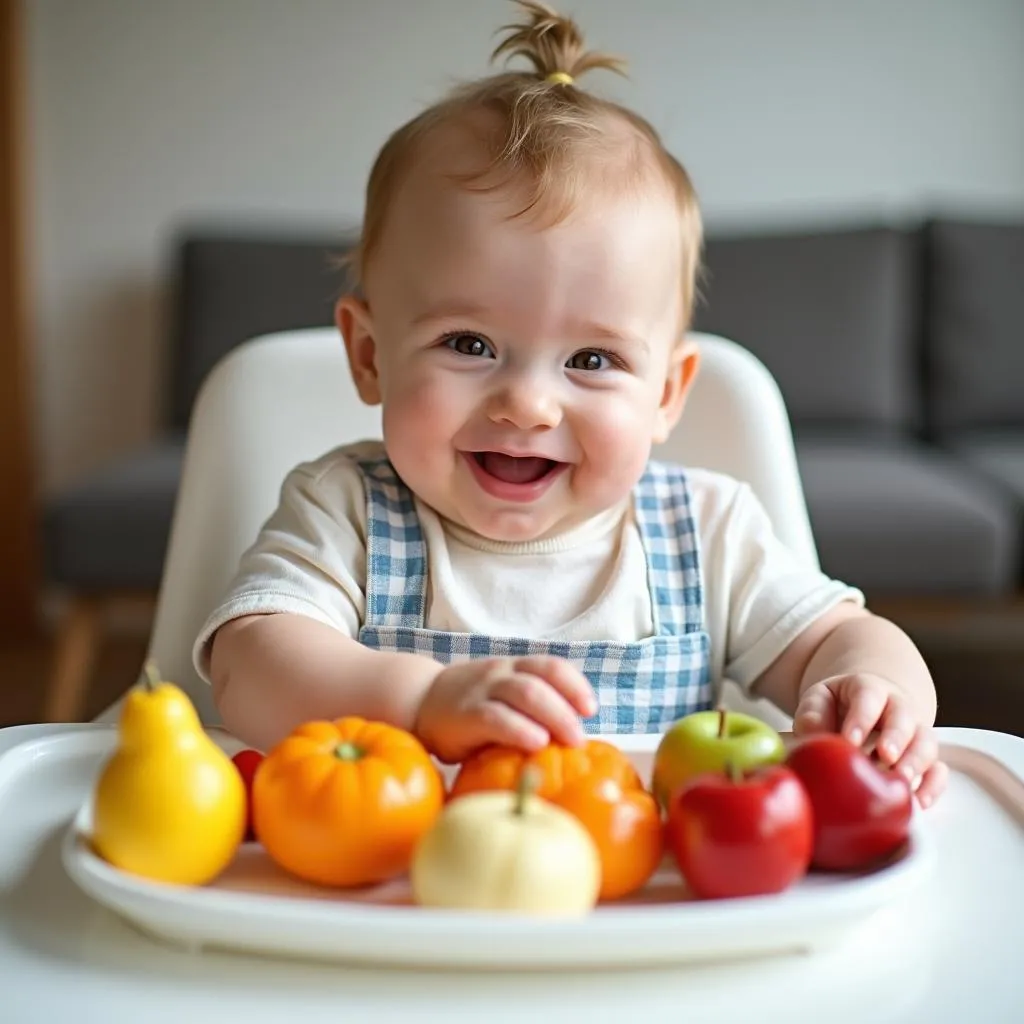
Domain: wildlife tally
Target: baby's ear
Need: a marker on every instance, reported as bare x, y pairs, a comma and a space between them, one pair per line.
352, 316
682, 371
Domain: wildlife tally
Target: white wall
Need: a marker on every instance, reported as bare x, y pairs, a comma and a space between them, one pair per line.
148, 112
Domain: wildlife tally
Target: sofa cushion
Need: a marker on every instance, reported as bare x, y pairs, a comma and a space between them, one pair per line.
999, 455
832, 316
231, 288
975, 324
112, 530
902, 519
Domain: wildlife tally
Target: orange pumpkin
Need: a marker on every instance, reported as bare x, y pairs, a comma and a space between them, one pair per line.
499, 767
344, 803
598, 784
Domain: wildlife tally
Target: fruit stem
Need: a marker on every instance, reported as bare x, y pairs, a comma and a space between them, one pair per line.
733, 771
347, 751
529, 780
721, 723
150, 676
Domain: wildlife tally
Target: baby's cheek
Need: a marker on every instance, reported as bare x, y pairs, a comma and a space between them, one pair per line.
420, 421
618, 445
416, 403
624, 425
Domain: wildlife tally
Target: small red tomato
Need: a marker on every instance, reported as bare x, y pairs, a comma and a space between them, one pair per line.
862, 809
746, 834
247, 761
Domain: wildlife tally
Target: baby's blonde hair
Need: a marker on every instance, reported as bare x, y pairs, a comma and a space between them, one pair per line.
543, 130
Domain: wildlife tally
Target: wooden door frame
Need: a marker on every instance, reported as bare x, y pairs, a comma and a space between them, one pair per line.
19, 544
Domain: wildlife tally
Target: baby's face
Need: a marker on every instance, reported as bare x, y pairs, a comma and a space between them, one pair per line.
524, 372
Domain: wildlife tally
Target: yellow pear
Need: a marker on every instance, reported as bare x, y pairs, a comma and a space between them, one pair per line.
169, 804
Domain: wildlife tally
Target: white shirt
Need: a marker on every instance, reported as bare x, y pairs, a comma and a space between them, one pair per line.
589, 583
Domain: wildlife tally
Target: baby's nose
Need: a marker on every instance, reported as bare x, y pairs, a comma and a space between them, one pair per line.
525, 403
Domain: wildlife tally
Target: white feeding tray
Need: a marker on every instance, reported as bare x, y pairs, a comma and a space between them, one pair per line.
255, 906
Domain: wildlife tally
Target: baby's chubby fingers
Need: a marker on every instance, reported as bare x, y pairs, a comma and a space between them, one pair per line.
866, 703
897, 734
536, 699
816, 711
919, 756
568, 680
933, 784
498, 722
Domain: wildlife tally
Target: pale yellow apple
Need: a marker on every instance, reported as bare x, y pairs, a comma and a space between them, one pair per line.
504, 851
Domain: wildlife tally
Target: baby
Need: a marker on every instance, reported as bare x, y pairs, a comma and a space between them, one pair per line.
509, 565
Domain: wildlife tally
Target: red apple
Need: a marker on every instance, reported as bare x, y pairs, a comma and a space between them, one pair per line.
741, 834
247, 761
862, 809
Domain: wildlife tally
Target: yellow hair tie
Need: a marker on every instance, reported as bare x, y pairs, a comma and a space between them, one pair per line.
560, 78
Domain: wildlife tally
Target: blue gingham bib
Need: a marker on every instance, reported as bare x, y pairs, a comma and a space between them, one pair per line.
642, 686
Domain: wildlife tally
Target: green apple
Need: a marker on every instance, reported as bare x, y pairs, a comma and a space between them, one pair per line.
710, 741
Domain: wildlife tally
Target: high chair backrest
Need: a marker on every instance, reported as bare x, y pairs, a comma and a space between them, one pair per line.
283, 398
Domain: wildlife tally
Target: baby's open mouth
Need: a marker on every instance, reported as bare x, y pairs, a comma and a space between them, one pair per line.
513, 469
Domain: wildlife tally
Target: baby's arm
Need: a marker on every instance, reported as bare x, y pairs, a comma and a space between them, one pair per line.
854, 672
282, 648
805, 642
271, 673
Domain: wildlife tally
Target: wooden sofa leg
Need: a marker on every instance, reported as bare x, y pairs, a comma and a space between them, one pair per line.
77, 643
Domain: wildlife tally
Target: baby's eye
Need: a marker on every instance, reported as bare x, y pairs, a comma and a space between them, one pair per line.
468, 345
590, 359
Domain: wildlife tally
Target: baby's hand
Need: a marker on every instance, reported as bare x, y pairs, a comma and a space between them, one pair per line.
857, 705
524, 702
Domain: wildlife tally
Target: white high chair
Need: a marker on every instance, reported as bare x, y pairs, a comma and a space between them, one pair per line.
286, 397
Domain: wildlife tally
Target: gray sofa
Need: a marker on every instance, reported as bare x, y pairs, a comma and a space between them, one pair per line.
901, 357
899, 350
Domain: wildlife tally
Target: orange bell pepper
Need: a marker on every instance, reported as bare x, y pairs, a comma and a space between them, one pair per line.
598, 784
344, 803
626, 827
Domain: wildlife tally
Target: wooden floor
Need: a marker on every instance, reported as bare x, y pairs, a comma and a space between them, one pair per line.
979, 686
